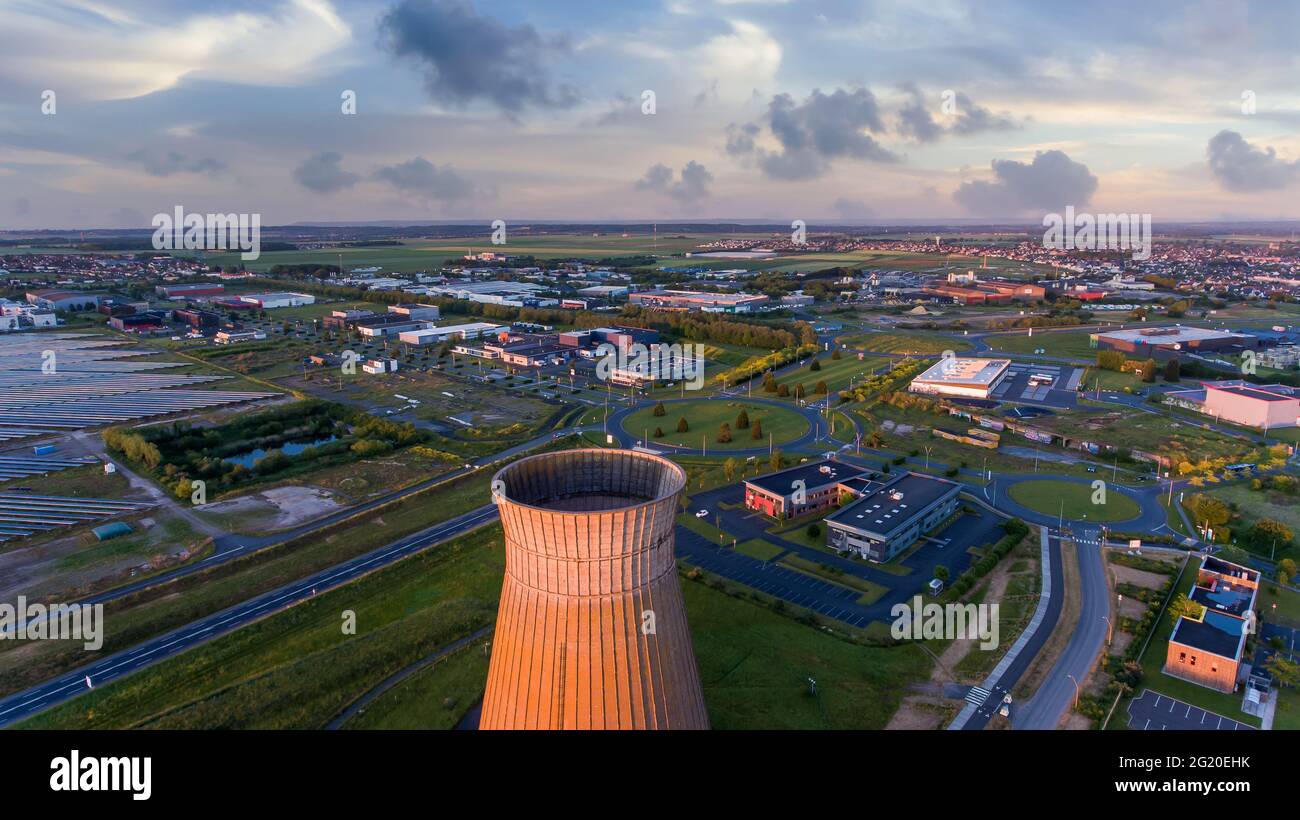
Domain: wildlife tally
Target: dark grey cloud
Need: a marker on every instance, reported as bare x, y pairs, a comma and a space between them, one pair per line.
166, 163
740, 138
1049, 183
975, 119
916, 119
813, 133
422, 178
691, 188
1239, 166
324, 174
466, 57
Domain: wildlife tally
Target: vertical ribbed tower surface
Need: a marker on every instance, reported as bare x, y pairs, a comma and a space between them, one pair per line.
591, 631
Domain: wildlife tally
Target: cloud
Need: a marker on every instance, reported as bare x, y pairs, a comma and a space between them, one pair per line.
812, 134
916, 121
22, 206
323, 174
690, 189
1049, 183
166, 163
1240, 166
422, 178
102, 50
467, 57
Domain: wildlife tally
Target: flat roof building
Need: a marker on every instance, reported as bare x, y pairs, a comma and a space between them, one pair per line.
889, 517
437, 335
698, 300
801, 489
1262, 406
955, 376
1177, 338
1206, 647
270, 301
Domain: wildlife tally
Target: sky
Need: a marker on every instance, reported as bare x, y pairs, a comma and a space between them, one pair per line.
312, 110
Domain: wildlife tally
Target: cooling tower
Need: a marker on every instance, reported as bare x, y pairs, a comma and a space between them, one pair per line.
591, 631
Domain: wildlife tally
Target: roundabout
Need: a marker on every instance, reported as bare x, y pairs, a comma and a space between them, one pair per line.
782, 426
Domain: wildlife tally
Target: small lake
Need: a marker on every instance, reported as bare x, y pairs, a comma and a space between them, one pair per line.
291, 448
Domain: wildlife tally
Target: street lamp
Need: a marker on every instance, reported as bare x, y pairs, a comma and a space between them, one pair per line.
1076, 689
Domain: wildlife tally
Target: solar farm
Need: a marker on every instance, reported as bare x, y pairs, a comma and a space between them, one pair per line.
55, 383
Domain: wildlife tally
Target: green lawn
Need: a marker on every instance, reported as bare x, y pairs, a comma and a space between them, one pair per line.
1256, 504
1070, 343
1047, 496
837, 373
902, 342
760, 549
755, 666
704, 417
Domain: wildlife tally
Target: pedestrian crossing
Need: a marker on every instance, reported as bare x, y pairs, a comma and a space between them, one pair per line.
977, 695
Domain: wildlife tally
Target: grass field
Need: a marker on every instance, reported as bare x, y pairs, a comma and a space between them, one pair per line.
900, 342
1051, 497
1256, 504
755, 666
836, 373
704, 418
1069, 343
298, 669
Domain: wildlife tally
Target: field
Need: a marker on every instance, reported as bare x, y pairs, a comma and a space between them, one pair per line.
1047, 497
704, 418
836, 373
297, 670
1128, 428
901, 342
1069, 343
1256, 504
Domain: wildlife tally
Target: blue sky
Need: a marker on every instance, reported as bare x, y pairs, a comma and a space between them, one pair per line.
766, 109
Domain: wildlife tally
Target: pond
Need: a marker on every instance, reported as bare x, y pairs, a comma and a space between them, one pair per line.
291, 448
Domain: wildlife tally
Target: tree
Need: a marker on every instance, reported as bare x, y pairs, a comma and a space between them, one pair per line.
783, 390
659, 409
659, 432
682, 426
1286, 570
729, 469
1285, 671
756, 432
815, 366
724, 433
820, 388
1172, 370
941, 572
836, 355
1182, 606
1266, 531
777, 460
814, 530
1110, 360
742, 420
1148, 370
799, 391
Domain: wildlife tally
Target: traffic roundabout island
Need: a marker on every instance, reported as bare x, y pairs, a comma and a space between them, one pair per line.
1074, 500
779, 425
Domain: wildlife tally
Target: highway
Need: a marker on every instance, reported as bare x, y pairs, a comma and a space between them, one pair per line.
106, 670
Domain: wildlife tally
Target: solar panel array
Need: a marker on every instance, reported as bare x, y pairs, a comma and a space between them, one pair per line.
23, 514
89, 385
25, 466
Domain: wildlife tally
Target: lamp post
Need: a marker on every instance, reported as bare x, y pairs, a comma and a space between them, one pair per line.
1076, 689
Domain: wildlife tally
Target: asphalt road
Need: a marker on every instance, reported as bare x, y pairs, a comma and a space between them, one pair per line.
108, 669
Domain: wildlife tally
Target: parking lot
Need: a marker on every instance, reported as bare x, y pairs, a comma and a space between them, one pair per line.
1061, 392
1152, 711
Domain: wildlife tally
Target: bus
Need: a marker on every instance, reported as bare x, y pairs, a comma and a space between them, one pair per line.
1040, 378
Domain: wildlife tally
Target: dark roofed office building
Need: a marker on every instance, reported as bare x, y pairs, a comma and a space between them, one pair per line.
889, 516
801, 489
